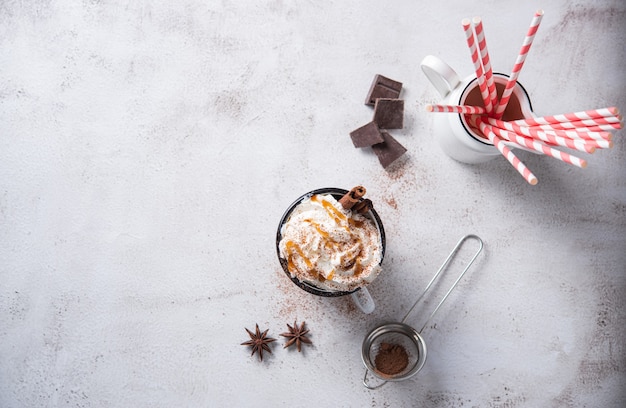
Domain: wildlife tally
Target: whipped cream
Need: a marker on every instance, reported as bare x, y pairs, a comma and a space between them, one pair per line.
330, 247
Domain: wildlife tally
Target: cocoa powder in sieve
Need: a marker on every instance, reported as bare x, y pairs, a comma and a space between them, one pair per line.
391, 359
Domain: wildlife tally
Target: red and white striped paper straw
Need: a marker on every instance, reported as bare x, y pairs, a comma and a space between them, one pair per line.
558, 140
576, 144
590, 125
486, 61
467, 109
508, 154
519, 63
584, 145
539, 147
478, 68
609, 114
577, 134
599, 142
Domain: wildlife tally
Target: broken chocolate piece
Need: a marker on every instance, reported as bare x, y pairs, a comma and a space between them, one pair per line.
383, 87
367, 135
388, 151
389, 113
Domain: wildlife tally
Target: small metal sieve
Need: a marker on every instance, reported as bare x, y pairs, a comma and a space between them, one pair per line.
406, 336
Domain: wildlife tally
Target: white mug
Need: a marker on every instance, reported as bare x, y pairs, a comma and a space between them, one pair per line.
456, 138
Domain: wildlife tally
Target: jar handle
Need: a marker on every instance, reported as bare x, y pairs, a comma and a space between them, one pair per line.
440, 74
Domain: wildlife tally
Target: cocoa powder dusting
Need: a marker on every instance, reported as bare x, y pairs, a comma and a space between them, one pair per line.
391, 359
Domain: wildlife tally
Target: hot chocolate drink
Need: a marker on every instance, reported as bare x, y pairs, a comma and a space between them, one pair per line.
330, 247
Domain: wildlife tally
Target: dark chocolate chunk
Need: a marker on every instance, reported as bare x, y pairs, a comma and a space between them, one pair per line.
389, 113
388, 151
383, 87
367, 135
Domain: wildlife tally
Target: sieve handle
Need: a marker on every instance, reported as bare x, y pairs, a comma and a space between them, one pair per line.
441, 269
371, 387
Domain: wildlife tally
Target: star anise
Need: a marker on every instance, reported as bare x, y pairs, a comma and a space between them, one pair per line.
296, 335
259, 342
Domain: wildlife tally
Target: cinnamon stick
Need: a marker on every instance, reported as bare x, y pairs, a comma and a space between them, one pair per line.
363, 206
352, 197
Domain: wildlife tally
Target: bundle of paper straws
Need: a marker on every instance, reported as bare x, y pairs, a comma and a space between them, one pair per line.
584, 131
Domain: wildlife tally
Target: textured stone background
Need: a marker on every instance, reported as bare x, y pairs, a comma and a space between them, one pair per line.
149, 148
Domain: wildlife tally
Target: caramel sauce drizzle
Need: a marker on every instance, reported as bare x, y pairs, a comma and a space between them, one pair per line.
333, 213
318, 228
292, 247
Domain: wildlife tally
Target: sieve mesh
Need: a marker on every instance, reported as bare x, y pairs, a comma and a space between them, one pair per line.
394, 334
394, 339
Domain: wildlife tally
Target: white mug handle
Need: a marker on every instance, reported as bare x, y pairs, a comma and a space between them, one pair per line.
440, 74
363, 300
